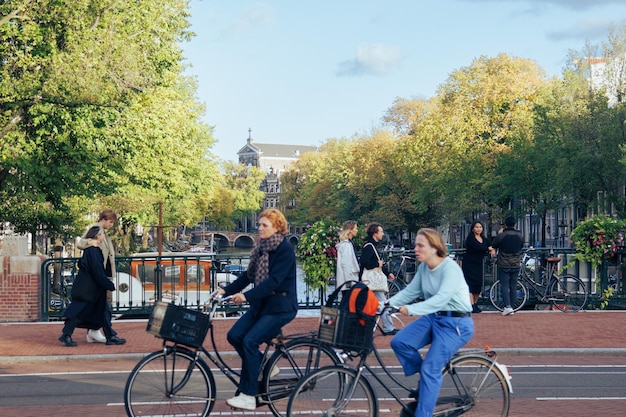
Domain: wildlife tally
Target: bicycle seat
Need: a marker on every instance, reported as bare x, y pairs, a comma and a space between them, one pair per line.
555, 259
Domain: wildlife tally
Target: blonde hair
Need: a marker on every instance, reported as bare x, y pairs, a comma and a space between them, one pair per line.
346, 229
277, 218
435, 240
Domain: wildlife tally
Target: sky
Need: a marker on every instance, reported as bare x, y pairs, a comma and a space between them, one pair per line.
303, 71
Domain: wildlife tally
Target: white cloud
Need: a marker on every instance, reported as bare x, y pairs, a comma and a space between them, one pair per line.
569, 4
372, 59
256, 15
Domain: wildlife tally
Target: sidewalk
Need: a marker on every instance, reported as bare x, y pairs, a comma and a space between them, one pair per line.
526, 332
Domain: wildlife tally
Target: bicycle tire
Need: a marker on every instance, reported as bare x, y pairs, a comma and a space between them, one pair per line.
495, 296
333, 391
148, 389
474, 387
394, 287
568, 293
304, 355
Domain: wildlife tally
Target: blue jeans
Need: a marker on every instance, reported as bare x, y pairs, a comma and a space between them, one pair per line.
508, 285
386, 317
246, 335
446, 335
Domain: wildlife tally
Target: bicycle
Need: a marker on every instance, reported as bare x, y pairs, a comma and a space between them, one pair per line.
177, 381
474, 384
400, 282
565, 292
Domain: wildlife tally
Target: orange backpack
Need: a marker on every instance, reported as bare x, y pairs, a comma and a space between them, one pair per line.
359, 299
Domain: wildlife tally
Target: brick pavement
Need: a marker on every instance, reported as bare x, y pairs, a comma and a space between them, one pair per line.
538, 330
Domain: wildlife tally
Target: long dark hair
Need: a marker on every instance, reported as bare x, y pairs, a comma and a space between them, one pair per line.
471, 231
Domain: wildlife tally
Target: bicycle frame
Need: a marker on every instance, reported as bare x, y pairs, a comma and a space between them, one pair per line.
461, 389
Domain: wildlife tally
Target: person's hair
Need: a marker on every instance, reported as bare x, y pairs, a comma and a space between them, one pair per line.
372, 228
346, 229
277, 218
509, 221
435, 240
93, 232
471, 231
108, 215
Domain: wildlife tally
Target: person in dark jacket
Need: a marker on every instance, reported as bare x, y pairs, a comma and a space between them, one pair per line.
370, 259
88, 309
509, 243
273, 301
476, 248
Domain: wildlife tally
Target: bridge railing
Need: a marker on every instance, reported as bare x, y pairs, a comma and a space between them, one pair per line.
189, 279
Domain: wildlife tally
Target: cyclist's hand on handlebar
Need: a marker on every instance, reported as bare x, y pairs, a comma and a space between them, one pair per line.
239, 298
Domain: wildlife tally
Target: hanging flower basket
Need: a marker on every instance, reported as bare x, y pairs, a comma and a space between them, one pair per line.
598, 239
317, 252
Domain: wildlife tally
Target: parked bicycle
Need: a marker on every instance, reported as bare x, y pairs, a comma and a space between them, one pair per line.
474, 384
565, 292
406, 264
177, 381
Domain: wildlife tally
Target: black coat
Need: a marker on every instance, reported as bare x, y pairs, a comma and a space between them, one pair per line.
277, 293
91, 314
475, 253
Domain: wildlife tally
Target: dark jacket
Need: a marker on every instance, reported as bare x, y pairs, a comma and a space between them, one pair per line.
277, 294
509, 244
369, 260
91, 314
474, 256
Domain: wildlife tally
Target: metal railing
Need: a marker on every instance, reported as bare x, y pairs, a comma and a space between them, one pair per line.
187, 279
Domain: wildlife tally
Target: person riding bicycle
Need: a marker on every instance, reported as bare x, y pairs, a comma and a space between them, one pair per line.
509, 243
445, 323
273, 301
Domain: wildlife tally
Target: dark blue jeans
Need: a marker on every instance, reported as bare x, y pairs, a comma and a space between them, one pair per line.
246, 335
508, 285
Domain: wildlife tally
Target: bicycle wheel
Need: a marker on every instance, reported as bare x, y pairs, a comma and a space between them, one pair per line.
170, 383
475, 387
287, 366
568, 293
394, 287
495, 296
333, 391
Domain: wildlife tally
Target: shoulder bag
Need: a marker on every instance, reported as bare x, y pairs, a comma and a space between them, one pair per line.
375, 279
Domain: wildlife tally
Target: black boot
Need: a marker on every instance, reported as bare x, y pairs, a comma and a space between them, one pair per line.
67, 340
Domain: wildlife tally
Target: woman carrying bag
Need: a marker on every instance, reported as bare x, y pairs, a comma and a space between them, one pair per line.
89, 292
374, 273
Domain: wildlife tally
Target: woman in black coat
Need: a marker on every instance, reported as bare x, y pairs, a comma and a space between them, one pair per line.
476, 248
89, 292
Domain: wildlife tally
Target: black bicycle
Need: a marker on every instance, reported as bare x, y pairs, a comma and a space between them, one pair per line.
565, 292
474, 384
177, 381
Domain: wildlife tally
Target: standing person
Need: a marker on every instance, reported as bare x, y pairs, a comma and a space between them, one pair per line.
476, 248
509, 243
370, 259
273, 301
445, 323
106, 220
88, 305
347, 261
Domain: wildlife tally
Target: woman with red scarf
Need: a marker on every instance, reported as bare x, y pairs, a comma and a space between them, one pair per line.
273, 301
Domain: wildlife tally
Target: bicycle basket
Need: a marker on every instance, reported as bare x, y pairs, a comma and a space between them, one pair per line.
178, 324
345, 330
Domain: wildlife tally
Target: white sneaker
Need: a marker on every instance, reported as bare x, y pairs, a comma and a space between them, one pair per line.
508, 311
243, 402
94, 336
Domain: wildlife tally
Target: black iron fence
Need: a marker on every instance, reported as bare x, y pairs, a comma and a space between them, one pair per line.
188, 278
